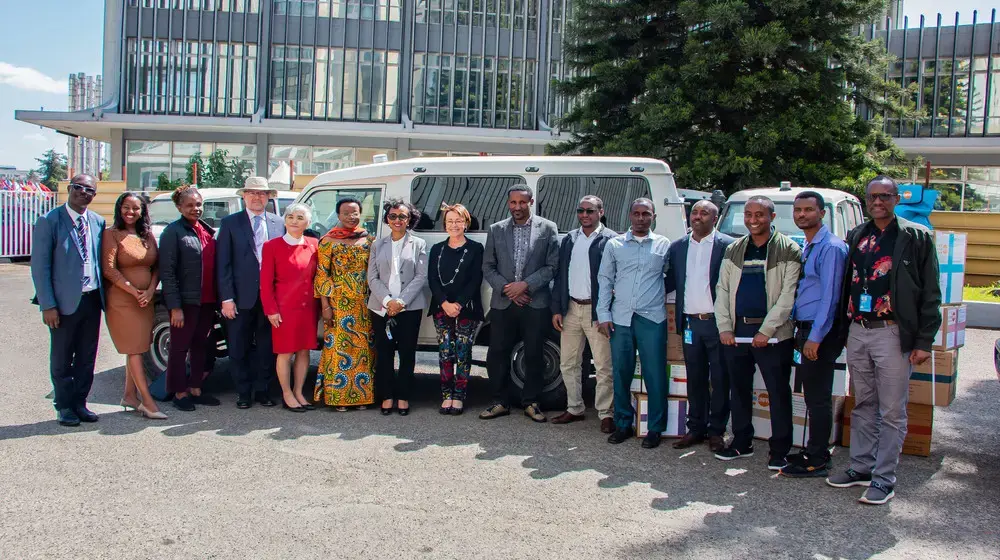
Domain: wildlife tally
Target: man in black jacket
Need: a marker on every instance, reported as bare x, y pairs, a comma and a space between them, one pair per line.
891, 299
574, 314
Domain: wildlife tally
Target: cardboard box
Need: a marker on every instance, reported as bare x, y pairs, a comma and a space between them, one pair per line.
671, 319
919, 427
676, 416
951, 335
677, 385
935, 382
951, 250
675, 347
761, 418
841, 378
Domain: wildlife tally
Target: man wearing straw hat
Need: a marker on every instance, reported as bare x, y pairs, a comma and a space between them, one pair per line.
248, 332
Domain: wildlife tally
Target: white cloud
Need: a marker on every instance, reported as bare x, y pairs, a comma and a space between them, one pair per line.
36, 137
30, 79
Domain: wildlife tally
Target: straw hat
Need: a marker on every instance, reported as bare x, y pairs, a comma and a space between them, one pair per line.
257, 184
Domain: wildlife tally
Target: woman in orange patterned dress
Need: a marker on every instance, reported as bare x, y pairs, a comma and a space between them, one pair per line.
347, 364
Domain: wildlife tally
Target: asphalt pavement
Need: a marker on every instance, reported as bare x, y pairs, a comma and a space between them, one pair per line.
267, 483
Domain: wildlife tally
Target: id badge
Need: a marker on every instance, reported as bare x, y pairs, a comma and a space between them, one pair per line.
865, 304
797, 356
688, 336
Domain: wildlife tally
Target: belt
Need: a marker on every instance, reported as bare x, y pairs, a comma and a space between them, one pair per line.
803, 324
581, 301
877, 324
701, 316
752, 320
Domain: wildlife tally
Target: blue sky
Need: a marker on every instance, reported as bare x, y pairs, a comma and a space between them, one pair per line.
45, 40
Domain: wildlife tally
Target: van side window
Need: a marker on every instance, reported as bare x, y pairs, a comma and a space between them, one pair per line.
324, 209
484, 197
558, 196
842, 219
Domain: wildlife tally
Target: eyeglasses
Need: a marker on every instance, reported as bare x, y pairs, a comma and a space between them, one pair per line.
884, 197
394, 217
455, 222
587, 211
85, 188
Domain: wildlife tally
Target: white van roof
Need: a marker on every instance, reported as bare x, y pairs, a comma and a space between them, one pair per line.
213, 193
776, 194
496, 165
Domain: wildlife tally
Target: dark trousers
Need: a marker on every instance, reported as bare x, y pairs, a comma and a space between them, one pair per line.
73, 352
191, 339
507, 328
817, 385
775, 363
390, 384
650, 340
248, 337
707, 379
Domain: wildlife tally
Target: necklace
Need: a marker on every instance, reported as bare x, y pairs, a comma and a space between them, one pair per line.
457, 267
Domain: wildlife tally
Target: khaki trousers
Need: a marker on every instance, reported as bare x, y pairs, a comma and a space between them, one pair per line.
578, 329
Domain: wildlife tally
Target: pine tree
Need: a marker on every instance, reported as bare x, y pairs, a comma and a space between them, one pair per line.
755, 92
51, 169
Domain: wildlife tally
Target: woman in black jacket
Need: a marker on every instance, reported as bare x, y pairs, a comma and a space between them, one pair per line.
187, 271
455, 275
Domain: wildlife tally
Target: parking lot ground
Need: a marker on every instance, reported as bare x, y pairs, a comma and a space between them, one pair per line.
266, 483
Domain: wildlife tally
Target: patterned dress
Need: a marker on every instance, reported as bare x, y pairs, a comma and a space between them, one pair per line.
347, 364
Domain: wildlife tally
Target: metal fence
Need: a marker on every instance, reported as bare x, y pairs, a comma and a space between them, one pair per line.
18, 212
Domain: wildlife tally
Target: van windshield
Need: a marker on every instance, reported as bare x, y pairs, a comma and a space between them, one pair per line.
731, 222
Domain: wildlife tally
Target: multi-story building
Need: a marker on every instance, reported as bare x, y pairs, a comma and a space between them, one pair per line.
324, 83
85, 155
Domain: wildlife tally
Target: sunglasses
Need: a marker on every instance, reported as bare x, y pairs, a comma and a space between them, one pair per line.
394, 217
587, 211
884, 197
85, 188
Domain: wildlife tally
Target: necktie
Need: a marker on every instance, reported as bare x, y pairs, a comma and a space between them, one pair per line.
258, 235
81, 233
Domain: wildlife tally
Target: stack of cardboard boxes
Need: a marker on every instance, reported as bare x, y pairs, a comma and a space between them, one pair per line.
934, 383
676, 380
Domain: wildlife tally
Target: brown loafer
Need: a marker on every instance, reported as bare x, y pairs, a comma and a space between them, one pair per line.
687, 440
566, 418
608, 426
716, 444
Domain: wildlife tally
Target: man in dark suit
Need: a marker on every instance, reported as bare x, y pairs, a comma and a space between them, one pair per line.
695, 260
574, 314
521, 256
248, 332
66, 271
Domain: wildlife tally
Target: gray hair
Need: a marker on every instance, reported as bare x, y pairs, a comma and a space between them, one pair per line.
299, 207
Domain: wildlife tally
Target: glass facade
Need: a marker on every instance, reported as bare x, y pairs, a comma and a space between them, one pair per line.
334, 83
493, 14
192, 77
146, 160
960, 188
379, 10
238, 6
473, 91
313, 160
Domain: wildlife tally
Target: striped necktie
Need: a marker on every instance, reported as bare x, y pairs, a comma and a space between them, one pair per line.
81, 234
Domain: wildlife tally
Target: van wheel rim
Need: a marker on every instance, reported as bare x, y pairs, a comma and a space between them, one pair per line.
161, 345
551, 376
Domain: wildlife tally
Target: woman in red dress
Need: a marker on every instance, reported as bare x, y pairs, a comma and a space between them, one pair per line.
288, 264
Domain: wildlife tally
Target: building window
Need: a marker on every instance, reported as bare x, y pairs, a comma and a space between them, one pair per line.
313, 160
484, 197
380, 10
960, 189
237, 6
457, 12
335, 84
171, 77
558, 197
462, 91
146, 160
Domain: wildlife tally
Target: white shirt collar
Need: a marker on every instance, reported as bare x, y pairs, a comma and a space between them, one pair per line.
593, 234
708, 239
73, 215
292, 241
251, 214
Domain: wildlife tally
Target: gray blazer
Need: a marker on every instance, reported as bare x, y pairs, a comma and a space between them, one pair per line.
56, 263
539, 267
412, 272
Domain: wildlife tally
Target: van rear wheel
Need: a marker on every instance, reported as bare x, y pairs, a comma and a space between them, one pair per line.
553, 394
155, 360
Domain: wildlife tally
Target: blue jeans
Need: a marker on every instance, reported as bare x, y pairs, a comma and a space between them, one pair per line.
650, 339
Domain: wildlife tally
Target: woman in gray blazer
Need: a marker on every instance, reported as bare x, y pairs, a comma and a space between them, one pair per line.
397, 273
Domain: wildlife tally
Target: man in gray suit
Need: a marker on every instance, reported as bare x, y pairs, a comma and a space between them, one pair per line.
521, 256
66, 271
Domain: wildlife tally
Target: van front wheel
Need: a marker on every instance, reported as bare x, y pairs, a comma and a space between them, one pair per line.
553, 396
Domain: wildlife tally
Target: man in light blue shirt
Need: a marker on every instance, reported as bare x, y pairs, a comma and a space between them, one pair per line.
632, 312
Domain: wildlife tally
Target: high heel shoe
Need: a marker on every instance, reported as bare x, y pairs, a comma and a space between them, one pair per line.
126, 405
151, 415
387, 410
293, 408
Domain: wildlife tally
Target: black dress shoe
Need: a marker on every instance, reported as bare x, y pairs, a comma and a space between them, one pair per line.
620, 436
184, 404
386, 411
67, 417
308, 406
445, 410
243, 401
403, 411
651, 440
205, 400
85, 415
263, 399
293, 408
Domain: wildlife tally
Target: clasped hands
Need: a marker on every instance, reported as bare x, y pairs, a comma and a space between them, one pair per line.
518, 293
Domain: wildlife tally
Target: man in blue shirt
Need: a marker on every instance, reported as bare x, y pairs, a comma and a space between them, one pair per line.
817, 340
631, 310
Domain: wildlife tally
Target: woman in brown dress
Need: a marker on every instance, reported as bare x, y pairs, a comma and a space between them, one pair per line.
129, 263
